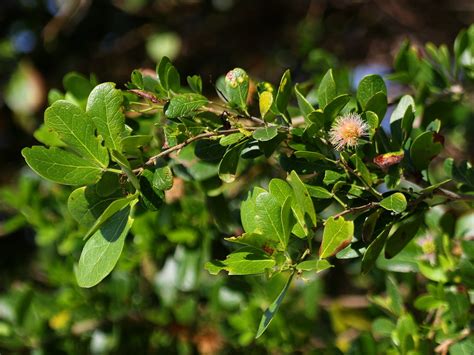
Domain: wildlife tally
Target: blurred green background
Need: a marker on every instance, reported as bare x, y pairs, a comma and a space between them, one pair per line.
160, 299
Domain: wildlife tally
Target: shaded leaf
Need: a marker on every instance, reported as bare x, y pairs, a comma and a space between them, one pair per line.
104, 106
184, 105
337, 235
102, 251
272, 309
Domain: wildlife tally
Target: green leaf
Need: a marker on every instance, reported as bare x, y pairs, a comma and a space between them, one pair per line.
368, 87
269, 218
337, 235
78, 86
244, 261
361, 169
374, 250
318, 192
265, 134
463, 347
255, 240
424, 149
195, 83
310, 156
237, 87
133, 143
248, 210
185, 104
102, 251
163, 178
231, 139
378, 105
124, 164
406, 103
405, 232
303, 199
151, 197
229, 163
395, 297
281, 190
77, 130
317, 265
86, 206
168, 76
305, 107
395, 202
464, 172
48, 137
326, 90
265, 102
61, 166
272, 310
428, 302
334, 107
114, 207
104, 106
284, 92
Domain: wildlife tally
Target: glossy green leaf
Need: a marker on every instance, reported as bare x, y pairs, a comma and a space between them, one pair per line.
406, 103
124, 164
248, 210
244, 261
77, 130
264, 134
395, 202
303, 200
185, 104
305, 107
368, 87
163, 178
310, 156
318, 192
269, 218
102, 251
362, 169
272, 310
326, 90
378, 105
86, 206
337, 235
374, 250
317, 265
281, 190
255, 240
195, 83
61, 166
114, 207
133, 143
231, 139
150, 196
284, 92
404, 233
424, 149
104, 106
334, 107
229, 163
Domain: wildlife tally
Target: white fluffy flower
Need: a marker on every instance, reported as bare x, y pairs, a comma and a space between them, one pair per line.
347, 130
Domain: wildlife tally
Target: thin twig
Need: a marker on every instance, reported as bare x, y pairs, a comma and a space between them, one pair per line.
366, 207
179, 146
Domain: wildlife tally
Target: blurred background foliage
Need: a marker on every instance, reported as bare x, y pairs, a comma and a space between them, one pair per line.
160, 298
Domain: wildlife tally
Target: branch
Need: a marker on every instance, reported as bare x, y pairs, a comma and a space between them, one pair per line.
179, 146
366, 207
